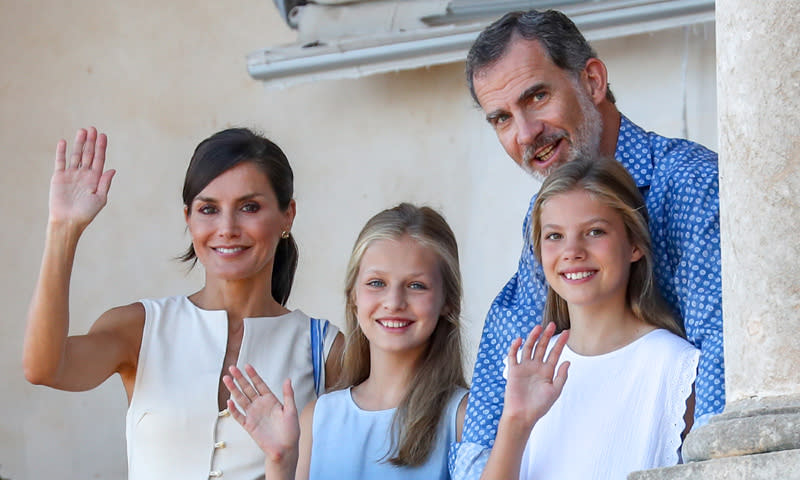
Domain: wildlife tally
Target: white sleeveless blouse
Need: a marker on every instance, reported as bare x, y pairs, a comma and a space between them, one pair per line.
619, 412
174, 428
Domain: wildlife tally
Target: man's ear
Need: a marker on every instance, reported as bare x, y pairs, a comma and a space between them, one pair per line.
595, 77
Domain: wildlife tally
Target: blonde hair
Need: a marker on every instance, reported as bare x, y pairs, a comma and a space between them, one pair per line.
440, 371
609, 182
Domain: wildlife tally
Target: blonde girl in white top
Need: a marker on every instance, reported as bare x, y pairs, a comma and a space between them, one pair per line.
631, 395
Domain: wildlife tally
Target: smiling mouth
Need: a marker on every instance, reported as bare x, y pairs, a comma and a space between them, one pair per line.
394, 323
578, 275
540, 157
545, 154
228, 250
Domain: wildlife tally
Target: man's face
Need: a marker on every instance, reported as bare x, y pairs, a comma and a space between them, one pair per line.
543, 115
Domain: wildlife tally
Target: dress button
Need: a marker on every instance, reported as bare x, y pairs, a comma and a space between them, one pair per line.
215, 473
220, 444
224, 413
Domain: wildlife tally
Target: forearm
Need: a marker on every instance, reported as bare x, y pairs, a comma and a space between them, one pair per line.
280, 468
509, 446
48, 314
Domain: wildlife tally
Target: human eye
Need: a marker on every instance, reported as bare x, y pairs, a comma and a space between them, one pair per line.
376, 283
417, 286
497, 120
251, 207
552, 236
207, 209
596, 232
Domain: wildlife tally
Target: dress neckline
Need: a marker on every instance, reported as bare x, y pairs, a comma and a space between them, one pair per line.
612, 353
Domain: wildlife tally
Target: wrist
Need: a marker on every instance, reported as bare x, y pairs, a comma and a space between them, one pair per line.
281, 465
517, 426
64, 229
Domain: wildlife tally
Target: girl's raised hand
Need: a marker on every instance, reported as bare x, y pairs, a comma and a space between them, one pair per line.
79, 187
531, 388
273, 426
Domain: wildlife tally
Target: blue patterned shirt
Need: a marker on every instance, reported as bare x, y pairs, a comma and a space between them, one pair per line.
679, 181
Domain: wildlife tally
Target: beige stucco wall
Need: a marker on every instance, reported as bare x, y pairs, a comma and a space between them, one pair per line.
158, 77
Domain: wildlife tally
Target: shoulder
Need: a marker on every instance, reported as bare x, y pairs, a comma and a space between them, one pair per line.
330, 399
122, 328
683, 160
663, 343
172, 305
327, 410
127, 318
458, 399
675, 159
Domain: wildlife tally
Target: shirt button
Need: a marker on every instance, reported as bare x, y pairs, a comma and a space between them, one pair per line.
224, 413
215, 473
220, 444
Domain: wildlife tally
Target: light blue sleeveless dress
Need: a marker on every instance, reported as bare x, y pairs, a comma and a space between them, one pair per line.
352, 443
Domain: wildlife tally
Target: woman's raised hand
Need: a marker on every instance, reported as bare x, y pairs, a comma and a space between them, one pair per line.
532, 388
79, 187
273, 426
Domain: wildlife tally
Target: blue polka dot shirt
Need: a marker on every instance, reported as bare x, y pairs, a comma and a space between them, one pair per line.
679, 181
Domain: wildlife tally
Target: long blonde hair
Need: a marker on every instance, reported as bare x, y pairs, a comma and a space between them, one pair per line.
440, 371
609, 182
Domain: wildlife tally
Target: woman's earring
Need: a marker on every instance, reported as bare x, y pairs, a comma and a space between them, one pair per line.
285, 234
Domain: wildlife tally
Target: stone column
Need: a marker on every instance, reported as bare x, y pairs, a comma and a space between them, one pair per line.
758, 85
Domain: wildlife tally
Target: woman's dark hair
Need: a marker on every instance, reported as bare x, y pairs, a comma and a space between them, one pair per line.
221, 152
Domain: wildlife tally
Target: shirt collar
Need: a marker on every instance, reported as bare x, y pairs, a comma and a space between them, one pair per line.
633, 151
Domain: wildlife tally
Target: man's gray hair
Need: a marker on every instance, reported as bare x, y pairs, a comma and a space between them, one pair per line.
558, 35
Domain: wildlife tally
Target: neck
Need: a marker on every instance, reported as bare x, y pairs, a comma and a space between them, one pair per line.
611, 120
239, 298
595, 331
390, 375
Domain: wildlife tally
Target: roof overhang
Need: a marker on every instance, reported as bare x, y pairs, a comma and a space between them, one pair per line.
412, 34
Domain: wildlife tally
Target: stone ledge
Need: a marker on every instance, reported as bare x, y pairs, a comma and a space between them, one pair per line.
748, 427
783, 465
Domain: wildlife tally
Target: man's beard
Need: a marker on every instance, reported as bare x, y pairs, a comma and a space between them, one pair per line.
585, 142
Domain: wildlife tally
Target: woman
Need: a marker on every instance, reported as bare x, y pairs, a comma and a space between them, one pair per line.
171, 353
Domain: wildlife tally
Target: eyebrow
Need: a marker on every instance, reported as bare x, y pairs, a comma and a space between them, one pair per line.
582, 224
530, 91
249, 196
379, 271
523, 97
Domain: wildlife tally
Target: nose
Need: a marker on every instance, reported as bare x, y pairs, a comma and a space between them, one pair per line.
228, 226
395, 299
528, 129
574, 249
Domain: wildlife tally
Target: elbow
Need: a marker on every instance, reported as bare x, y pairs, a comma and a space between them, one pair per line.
35, 374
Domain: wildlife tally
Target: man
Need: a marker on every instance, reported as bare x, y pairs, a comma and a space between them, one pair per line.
546, 94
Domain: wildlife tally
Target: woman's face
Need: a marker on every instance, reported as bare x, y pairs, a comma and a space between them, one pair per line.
236, 224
